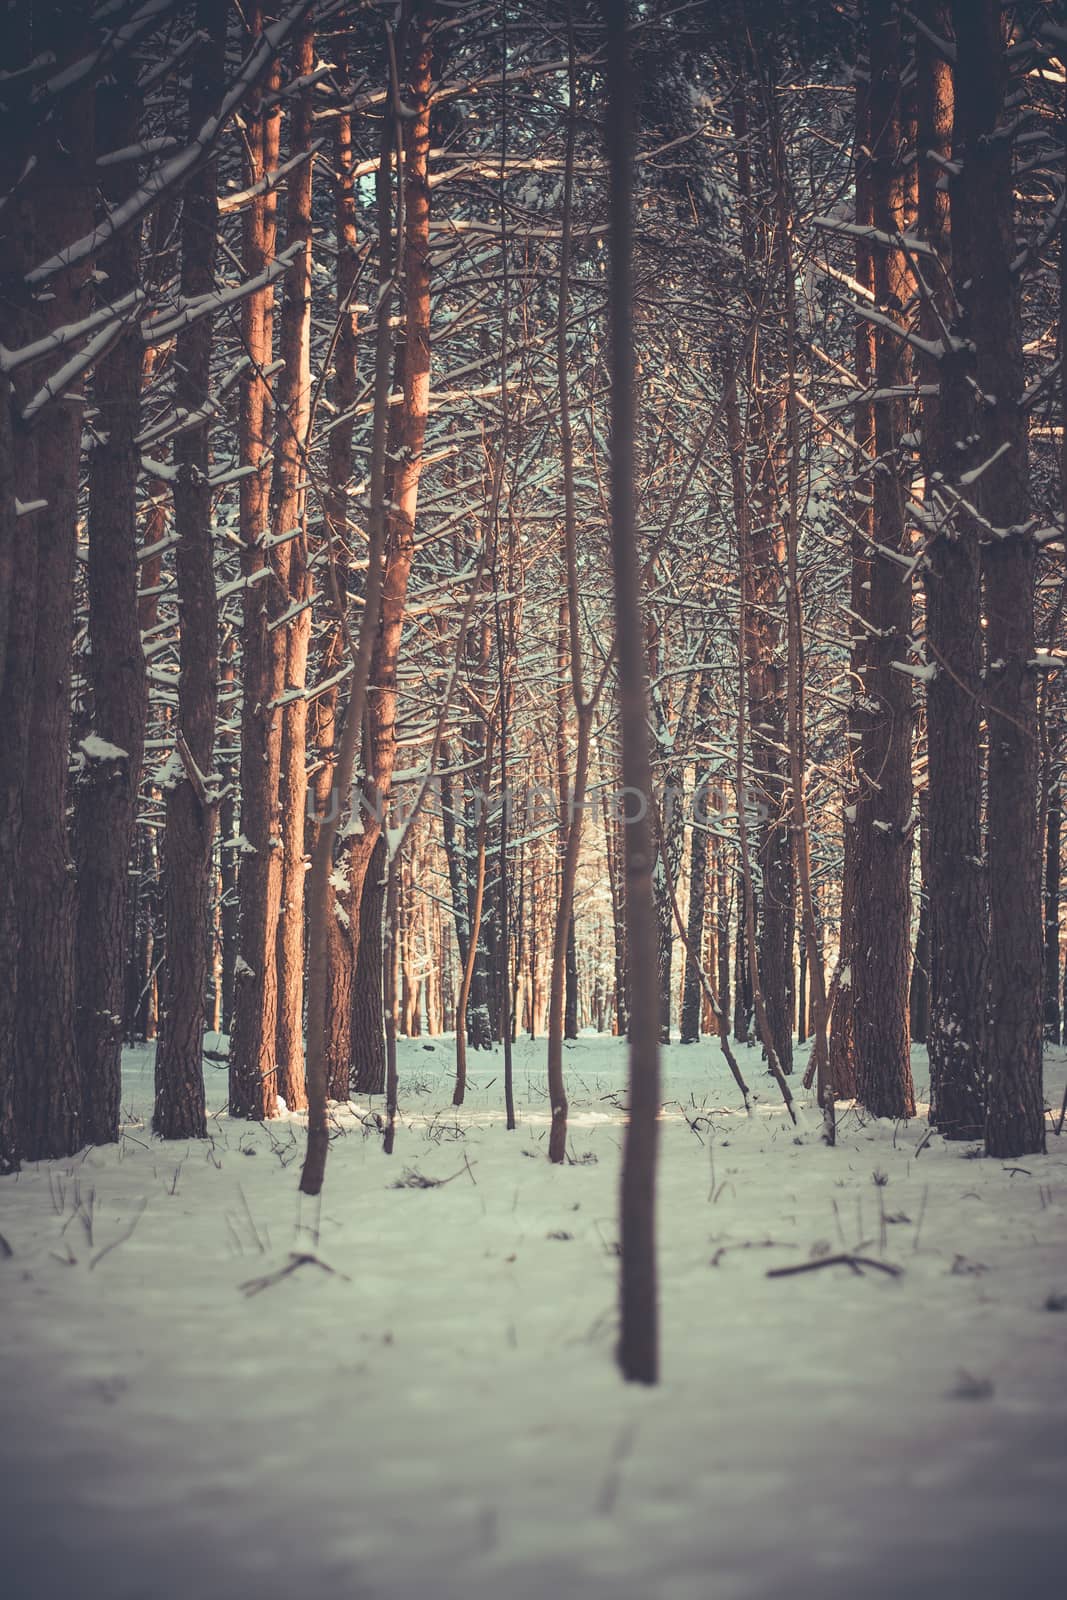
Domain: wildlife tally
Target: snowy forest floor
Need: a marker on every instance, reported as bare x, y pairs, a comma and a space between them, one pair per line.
438, 1415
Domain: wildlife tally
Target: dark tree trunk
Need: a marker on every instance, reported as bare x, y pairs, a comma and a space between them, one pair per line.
639, 1312
881, 937
191, 812
722, 928
919, 993
1015, 1118
742, 972
48, 1093
1052, 910
570, 1009
107, 791
368, 1019
18, 582
954, 880
757, 471
842, 1039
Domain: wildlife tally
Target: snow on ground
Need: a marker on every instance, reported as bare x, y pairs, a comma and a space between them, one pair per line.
439, 1414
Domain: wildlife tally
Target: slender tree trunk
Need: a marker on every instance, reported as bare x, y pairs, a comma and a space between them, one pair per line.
368, 1017
722, 929
571, 794
842, 1037
762, 593
638, 1339
191, 807
698, 872
919, 990
795, 701
476, 902
406, 449
881, 949
252, 1082
290, 511
107, 791
392, 1080
1052, 908
336, 511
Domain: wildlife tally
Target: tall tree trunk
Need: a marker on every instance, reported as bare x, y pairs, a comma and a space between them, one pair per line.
722, 928
336, 509
1015, 1118
191, 808
954, 878
48, 1079
571, 792
290, 511
639, 1338
19, 246
252, 1081
881, 950
320, 913
406, 449
842, 1038
107, 792
762, 593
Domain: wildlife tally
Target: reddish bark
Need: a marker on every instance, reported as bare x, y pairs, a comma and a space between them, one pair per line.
252, 1082
406, 447
290, 511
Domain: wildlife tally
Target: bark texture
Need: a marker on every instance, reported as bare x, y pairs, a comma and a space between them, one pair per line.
191, 807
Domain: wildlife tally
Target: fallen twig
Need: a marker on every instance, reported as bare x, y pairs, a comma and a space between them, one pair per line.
297, 1258
857, 1263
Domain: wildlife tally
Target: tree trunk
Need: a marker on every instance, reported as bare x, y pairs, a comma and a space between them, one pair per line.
18, 583
954, 877
48, 1091
107, 792
290, 511
336, 509
191, 808
638, 1339
406, 448
881, 950
698, 872
1052, 909
252, 1082
1015, 1119
368, 1018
